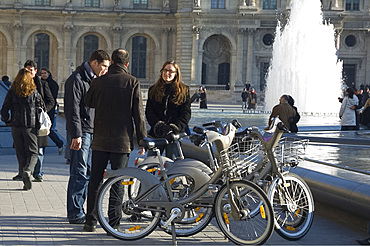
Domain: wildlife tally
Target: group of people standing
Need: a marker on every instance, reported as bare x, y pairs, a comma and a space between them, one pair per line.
249, 99
354, 110
103, 109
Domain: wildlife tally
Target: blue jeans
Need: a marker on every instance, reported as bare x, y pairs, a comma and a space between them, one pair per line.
37, 172
80, 169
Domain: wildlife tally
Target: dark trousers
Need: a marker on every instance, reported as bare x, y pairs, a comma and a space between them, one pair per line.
25, 143
99, 164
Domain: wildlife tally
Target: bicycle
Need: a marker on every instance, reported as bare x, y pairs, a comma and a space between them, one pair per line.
239, 204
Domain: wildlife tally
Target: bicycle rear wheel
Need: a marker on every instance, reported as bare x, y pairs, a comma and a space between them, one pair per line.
293, 206
197, 215
251, 227
118, 213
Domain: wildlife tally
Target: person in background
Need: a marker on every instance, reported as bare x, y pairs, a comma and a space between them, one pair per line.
54, 88
113, 129
347, 112
252, 99
293, 120
24, 102
43, 89
168, 106
365, 114
283, 110
245, 98
79, 120
203, 98
6, 81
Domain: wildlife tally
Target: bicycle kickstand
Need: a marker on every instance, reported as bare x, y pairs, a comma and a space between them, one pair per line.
174, 242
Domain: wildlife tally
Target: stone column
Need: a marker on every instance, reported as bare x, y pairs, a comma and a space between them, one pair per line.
196, 66
68, 59
250, 45
165, 43
240, 55
17, 55
367, 45
117, 29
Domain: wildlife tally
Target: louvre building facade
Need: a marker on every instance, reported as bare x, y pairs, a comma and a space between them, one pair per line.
213, 41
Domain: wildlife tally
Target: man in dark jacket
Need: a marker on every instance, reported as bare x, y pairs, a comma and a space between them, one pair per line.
42, 142
116, 98
79, 121
54, 88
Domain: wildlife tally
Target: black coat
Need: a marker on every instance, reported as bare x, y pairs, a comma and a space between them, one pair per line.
54, 88
365, 116
294, 120
43, 88
24, 110
116, 97
79, 117
167, 111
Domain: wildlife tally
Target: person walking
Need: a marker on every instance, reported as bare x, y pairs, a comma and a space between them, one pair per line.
252, 99
24, 102
365, 114
347, 112
168, 106
244, 98
54, 88
283, 110
118, 105
79, 122
203, 98
42, 141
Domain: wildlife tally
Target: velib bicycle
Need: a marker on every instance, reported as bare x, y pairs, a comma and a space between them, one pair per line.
132, 202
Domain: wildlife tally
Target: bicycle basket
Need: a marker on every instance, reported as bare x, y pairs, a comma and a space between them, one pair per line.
246, 143
238, 162
290, 151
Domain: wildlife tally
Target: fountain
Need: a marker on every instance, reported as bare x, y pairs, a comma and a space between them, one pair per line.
304, 62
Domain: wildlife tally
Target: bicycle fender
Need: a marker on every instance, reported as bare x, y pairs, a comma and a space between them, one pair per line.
193, 168
147, 181
154, 159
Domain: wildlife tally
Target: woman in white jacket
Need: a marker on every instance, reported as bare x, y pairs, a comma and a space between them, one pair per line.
347, 112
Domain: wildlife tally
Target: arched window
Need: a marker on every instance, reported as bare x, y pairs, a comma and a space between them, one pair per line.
138, 67
91, 43
42, 50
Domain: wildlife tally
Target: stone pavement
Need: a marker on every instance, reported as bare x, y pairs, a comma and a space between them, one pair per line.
38, 216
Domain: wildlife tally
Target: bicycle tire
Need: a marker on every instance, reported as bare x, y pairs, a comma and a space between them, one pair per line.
119, 222
293, 215
249, 230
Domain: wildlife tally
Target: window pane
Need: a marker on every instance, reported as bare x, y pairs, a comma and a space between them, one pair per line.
42, 2
269, 4
42, 48
91, 43
138, 68
92, 3
140, 4
217, 4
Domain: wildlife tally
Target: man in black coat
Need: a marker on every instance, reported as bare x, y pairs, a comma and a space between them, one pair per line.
43, 88
54, 88
79, 121
118, 105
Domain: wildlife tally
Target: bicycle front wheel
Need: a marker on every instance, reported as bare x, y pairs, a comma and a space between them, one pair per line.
118, 213
293, 207
249, 227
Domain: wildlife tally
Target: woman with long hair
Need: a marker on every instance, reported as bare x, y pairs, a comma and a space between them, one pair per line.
168, 105
347, 112
24, 102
